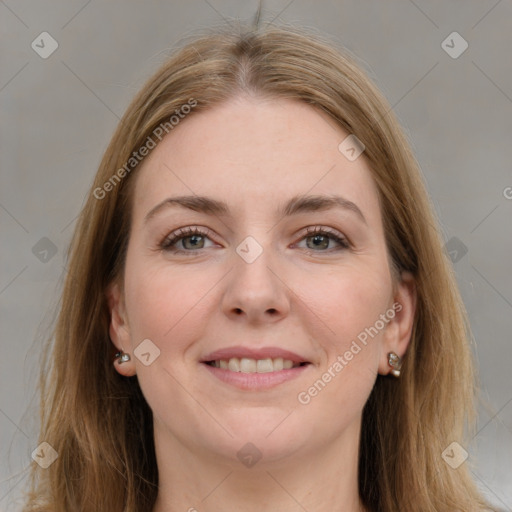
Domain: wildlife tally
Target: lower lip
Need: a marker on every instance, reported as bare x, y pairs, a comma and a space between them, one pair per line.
255, 381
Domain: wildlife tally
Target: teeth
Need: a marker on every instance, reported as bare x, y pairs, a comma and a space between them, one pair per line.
248, 365
234, 364
264, 365
279, 364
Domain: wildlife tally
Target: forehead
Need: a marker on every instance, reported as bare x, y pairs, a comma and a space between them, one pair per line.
251, 152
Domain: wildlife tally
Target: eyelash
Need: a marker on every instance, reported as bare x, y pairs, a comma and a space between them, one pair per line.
169, 241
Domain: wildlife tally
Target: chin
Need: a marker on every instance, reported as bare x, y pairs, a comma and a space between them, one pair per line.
270, 438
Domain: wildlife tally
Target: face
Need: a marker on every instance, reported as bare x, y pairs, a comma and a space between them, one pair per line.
257, 300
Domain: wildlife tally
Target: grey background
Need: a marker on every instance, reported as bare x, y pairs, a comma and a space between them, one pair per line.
58, 115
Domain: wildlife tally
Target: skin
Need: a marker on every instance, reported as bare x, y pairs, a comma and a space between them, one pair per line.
254, 155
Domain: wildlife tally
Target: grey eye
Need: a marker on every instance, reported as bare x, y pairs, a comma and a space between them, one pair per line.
193, 242
318, 242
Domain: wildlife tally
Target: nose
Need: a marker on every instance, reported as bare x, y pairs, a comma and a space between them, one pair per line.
255, 292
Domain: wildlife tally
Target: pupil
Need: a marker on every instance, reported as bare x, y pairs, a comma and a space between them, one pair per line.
193, 240
320, 241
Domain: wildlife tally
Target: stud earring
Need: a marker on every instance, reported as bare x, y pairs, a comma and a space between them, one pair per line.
122, 357
395, 362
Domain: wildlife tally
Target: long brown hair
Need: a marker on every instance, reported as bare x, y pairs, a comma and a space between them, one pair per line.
99, 422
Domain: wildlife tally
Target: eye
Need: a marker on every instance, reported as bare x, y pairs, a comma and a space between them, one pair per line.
320, 239
190, 239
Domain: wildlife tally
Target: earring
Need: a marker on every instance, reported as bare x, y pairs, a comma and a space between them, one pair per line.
122, 357
395, 362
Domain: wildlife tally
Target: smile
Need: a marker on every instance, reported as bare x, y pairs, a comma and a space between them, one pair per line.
254, 369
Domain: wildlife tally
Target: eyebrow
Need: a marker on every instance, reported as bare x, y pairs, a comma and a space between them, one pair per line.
296, 205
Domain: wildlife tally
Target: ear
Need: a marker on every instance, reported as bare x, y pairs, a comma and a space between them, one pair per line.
397, 334
119, 329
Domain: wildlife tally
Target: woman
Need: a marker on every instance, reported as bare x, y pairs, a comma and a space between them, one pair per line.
259, 257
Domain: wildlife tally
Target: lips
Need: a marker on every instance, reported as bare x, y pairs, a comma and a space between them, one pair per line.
247, 360
255, 368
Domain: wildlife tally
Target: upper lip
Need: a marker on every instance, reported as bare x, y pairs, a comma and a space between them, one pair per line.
253, 353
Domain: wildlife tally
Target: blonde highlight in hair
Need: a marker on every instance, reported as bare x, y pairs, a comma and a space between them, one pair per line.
99, 421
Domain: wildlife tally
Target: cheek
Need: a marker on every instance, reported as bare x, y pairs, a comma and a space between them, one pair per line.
349, 306
349, 302
161, 303
166, 307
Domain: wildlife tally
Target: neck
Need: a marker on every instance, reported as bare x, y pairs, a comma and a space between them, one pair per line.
319, 482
